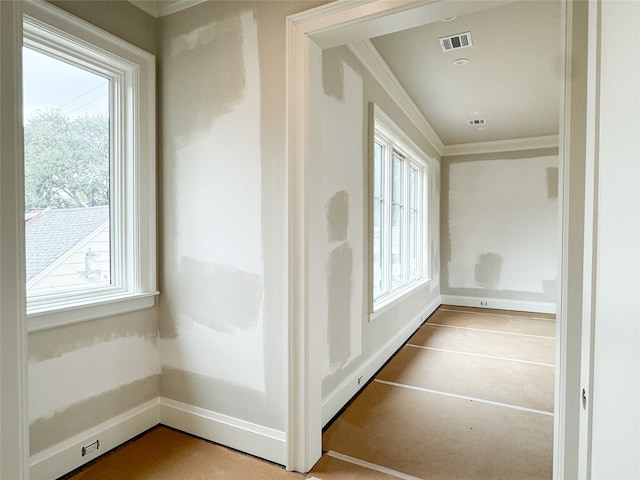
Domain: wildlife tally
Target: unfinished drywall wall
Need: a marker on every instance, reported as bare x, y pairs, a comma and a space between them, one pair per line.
224, 318
499, 227
85, 374
339, 244
122, 19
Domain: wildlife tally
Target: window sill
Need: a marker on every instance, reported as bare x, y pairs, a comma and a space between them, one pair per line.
76, 312
387, 303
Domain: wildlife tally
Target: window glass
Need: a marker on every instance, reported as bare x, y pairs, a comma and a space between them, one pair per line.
397, 221
413, 239
399, 207
67, 184
378, 205
89, 137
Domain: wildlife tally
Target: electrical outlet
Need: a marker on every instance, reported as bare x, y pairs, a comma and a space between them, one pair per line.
483, 304
92, 447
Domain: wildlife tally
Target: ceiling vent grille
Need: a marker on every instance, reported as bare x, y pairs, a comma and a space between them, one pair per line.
478, 121
455, 42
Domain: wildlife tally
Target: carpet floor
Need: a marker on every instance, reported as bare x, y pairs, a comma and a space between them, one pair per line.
469, 396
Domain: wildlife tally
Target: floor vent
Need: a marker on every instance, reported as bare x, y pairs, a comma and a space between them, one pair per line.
455, 42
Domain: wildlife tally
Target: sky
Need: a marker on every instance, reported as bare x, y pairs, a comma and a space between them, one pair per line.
49, 83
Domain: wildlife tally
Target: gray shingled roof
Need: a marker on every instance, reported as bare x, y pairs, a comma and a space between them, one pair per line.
56, 232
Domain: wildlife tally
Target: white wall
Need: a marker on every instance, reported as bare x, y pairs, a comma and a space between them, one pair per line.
224, 307
616, 335
352, 346
499, 228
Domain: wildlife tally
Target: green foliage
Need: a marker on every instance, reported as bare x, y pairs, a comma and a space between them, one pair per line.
66, 160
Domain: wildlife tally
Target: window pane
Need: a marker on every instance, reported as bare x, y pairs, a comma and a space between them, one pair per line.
378, 222
413, 245
66, 142
396, 245
413, 187
378, 173
397, 179
378, 278
413, 224
396, 221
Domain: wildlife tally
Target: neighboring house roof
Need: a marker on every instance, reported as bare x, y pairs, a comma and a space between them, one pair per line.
56, 231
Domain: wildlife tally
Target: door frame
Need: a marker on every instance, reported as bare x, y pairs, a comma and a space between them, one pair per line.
14, 434
346, 21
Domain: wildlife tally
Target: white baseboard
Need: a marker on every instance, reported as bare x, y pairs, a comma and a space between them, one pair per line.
66, 456
248, 437
344, 392
499, 304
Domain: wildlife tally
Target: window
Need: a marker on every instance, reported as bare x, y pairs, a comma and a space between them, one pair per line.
89, 136
399, 212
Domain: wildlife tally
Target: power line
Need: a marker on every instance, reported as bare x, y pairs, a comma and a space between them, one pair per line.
82, 95
87, 103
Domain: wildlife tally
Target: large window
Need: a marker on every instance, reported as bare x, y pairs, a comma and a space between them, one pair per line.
89, 131
399, 204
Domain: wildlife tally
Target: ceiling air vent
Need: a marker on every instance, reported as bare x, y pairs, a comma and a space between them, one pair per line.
455, 42
478, 121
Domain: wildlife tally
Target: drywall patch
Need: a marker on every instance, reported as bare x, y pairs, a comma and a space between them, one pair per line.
219, 297
81, 416
552, 182
550, 288
333, 73
53, 343
219, 396
339, 287
488, 270
337, 211
205, 62
435, 257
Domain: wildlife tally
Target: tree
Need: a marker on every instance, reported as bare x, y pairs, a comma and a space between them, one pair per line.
66, 160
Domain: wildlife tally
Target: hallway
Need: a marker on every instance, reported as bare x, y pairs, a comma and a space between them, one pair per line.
469, 396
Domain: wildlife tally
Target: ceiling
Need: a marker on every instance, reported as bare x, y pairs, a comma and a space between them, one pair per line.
513, 78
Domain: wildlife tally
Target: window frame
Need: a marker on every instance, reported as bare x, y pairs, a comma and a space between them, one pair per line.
132, 170
396, 144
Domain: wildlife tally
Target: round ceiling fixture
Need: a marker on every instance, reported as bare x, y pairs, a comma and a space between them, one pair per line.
460, 61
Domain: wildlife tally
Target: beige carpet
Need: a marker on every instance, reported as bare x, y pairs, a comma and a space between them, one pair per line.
469, 397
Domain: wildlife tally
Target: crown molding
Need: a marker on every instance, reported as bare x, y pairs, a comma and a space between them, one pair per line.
366, 52
161, 8
513, 145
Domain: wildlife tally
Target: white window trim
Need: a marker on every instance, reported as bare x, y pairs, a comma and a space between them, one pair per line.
385, 127
134, 206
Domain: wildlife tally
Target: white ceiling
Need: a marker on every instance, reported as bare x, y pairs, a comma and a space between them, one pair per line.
513, 78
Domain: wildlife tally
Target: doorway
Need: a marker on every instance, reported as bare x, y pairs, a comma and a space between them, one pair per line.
309, 33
